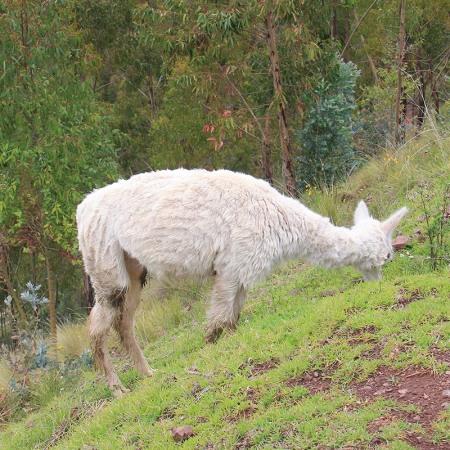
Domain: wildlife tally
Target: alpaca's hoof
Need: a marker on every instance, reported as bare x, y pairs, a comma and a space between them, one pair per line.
213, 335
119, 391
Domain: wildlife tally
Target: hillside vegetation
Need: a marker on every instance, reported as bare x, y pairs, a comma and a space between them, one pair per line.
319, 360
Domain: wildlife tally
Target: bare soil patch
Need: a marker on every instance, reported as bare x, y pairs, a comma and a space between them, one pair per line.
242, 414
246, 441
412, 386
315, 381
257, 369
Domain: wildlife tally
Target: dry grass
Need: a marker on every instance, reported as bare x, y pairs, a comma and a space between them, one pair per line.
73, 340
6, 374
164, 305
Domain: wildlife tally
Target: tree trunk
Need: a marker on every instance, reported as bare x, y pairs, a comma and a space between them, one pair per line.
399, 134
4, 272
421, 109
267, 152
334, 20
51, 297
286, 150
435, 95
151, 97
372, 66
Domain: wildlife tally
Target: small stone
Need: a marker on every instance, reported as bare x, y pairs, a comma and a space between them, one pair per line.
380, 392
180, 434
316, 374
400, 242
328, 293
425, 396
446, 393
419, 236
402, 392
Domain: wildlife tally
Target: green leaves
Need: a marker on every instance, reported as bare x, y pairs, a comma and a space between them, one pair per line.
326, 138
55, 142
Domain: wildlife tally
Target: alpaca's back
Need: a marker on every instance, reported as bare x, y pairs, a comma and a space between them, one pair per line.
182, 222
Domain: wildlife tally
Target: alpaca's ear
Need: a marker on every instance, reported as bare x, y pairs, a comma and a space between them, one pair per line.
389, 225
361, 212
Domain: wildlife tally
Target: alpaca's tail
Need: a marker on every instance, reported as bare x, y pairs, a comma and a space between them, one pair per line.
103, 256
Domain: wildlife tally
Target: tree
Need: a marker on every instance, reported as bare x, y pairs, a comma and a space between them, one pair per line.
327, 136
248, 64
55, 142
399, 135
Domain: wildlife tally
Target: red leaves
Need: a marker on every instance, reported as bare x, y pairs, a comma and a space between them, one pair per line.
217, 144
209, 128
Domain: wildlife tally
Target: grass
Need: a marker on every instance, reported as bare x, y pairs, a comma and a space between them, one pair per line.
289, 376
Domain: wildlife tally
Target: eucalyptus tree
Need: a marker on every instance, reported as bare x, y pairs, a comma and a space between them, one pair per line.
55, 140
247, 63
406, 45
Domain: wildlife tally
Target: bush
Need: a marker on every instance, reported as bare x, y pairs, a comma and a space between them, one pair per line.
328, 153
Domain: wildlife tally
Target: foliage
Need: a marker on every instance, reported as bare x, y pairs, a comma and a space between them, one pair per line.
55, 140
326, 138
55, 143
32, 297
437, 221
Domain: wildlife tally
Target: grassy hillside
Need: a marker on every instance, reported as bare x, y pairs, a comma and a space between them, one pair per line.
319, 360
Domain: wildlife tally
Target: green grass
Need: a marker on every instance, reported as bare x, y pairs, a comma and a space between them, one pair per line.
239, 392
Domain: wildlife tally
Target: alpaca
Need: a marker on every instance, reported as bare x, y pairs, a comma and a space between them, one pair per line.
193, 222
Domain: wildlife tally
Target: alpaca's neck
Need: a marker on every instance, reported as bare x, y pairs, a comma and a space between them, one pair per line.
320, 242
331, 246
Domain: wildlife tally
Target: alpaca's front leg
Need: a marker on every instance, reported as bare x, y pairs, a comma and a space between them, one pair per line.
226, 304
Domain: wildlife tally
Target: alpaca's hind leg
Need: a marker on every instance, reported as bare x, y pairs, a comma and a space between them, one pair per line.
124, 324
226, 304
102, 317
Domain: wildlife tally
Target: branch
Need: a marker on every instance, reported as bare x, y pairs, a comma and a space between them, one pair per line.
246, 104
357, 26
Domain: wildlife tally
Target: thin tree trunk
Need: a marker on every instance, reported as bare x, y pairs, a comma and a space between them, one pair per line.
151, 97
334, 20
10, 286
401, 55
51, 297
372, 66
421, 109
286, 150
267, 152
349, 38
435, 95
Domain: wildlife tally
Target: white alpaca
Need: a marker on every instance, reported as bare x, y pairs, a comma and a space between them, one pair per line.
222, 224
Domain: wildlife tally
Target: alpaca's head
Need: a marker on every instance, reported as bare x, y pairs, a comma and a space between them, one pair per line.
376, 238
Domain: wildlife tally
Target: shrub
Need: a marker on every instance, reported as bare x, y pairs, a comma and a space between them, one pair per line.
328, 153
